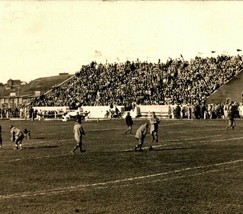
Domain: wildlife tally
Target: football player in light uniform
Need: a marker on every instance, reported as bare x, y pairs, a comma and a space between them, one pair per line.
17, 137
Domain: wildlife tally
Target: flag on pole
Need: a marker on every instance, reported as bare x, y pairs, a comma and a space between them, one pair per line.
98, 53
238, 49
213, 51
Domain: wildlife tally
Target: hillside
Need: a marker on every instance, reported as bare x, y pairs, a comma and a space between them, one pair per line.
42, 84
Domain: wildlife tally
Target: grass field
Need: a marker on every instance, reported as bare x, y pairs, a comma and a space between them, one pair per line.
197, 167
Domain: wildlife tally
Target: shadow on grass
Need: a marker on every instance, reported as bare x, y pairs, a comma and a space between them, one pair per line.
41, 147
38, 138
158, 149
176, 148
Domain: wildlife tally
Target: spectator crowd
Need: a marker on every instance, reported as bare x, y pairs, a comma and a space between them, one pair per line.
176, 81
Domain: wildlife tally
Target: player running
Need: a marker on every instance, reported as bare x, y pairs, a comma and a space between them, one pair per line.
17, 137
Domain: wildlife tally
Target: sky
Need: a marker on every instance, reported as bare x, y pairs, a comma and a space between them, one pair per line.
45, 38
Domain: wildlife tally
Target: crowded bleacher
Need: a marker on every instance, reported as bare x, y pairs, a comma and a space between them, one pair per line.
176, 81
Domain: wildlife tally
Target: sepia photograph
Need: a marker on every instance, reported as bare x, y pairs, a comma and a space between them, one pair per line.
121, 107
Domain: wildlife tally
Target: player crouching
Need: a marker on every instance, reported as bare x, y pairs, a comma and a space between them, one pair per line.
27, 134
17, 137
140, 136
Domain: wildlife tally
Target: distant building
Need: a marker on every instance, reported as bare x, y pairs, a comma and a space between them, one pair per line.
13, 101
13, 83
12, 94
37, 93
20, 93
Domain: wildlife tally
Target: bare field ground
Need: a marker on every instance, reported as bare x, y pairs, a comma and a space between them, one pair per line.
197, 167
